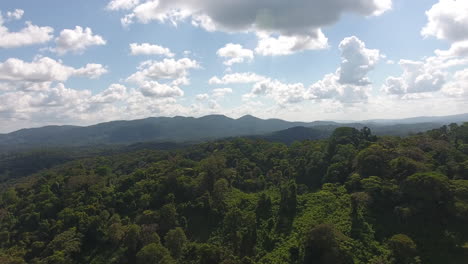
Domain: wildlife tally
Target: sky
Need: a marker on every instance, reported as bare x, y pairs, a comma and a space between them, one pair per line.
85, 62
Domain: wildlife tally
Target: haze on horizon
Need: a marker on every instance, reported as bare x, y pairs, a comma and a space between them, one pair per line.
86, 62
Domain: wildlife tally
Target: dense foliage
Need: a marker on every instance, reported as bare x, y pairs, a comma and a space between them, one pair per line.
354, 198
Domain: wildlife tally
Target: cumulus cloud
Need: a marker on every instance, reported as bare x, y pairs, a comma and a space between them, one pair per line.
216, 94
357, 61
51, 102
286, 45
457, 49
202, 97
417, 77
211, 101
15, 15
29, 35
162, 78
458, 86
286, 27
165, 69
58, 96
349, 84
77, 40
149, 49
280, 92
58, 104
44, 69
114, 93
235, 53
330, 87
221, 92
237, 78
448, 20
429, 74
122, 4
156, 89
91, 70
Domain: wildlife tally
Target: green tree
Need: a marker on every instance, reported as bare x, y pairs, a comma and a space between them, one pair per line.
64, 246
132, 238
154, 254
322, 246
288, 206
372, 161
404, 249
167, 218
175, 240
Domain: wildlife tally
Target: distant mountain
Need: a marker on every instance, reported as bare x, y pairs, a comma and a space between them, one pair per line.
189, 129
155, 129
422, 119
299, 133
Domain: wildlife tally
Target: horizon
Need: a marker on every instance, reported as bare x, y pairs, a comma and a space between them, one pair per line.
344, 122
67, 63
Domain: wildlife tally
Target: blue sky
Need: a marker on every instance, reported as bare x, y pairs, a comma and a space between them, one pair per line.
297, 60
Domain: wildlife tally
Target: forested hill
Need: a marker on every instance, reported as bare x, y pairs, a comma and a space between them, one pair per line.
351, 198
177, 129
189, 129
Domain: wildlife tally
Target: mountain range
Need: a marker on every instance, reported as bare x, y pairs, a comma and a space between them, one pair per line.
192, 130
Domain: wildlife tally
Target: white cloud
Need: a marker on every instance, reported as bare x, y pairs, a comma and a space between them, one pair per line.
44, 69
211, 101
235, 53
357, 61
160, 11
458, 86
77, 40
286, 45
127, 20
286, 27
457, 49
115, 92
202, 97
156, 89
447, 19
91, 70
221, 92
427, 75
280, 92
204, 22
417, 77
165, 69
58, 96
51, 102
237, 78
349, 84
40, 70
160, 79
15, 15
122, 4
149, 49
30, 35
62, 105
330, 87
